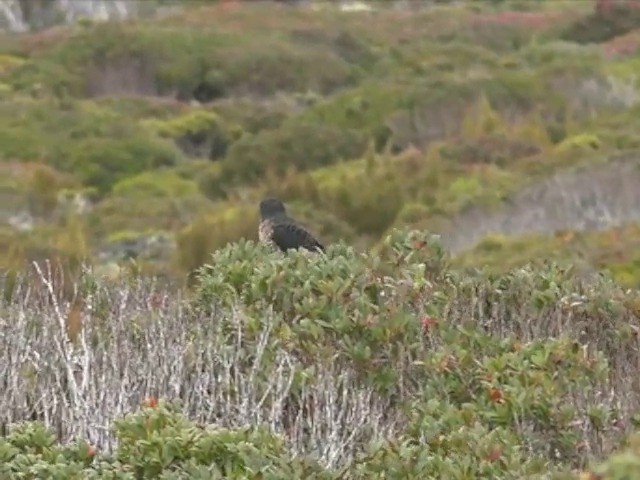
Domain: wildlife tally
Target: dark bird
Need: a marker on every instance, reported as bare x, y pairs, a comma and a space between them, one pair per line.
283, 231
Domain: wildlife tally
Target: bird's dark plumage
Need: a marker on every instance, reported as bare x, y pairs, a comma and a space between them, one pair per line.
282, 230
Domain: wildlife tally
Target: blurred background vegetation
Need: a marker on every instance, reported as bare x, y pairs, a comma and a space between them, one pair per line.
148, 131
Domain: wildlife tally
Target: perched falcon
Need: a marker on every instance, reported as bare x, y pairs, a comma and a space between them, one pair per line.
276, 227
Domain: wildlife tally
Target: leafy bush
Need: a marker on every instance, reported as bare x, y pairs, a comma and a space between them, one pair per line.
102, 162
579, 142
199, 133
253, 116
96, 145
155, 443
369, 201
161, 200
340, 300
365, 107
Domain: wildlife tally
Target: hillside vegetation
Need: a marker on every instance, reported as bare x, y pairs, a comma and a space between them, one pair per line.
154, 139
473, 169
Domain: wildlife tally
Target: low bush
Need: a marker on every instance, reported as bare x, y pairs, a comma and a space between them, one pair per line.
623, 464
156, 442
198, 133
160, 200
253, 116
386, 365
96, 145
302, 145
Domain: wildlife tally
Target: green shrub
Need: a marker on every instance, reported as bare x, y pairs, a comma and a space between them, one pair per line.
150, 184
154, 443
302, 145
620, 465
96, 145
161, 200
484, 370
506, 386
9, 62
338, 300
211, 183
365, 107
468, 451
198, 133
270, 66
102, 162
579, 142
369, 202
142, 107
254, 116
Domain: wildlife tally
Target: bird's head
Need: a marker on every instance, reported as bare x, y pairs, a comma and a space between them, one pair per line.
271, 207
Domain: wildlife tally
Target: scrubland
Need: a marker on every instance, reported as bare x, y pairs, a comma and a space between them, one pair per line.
146, 334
